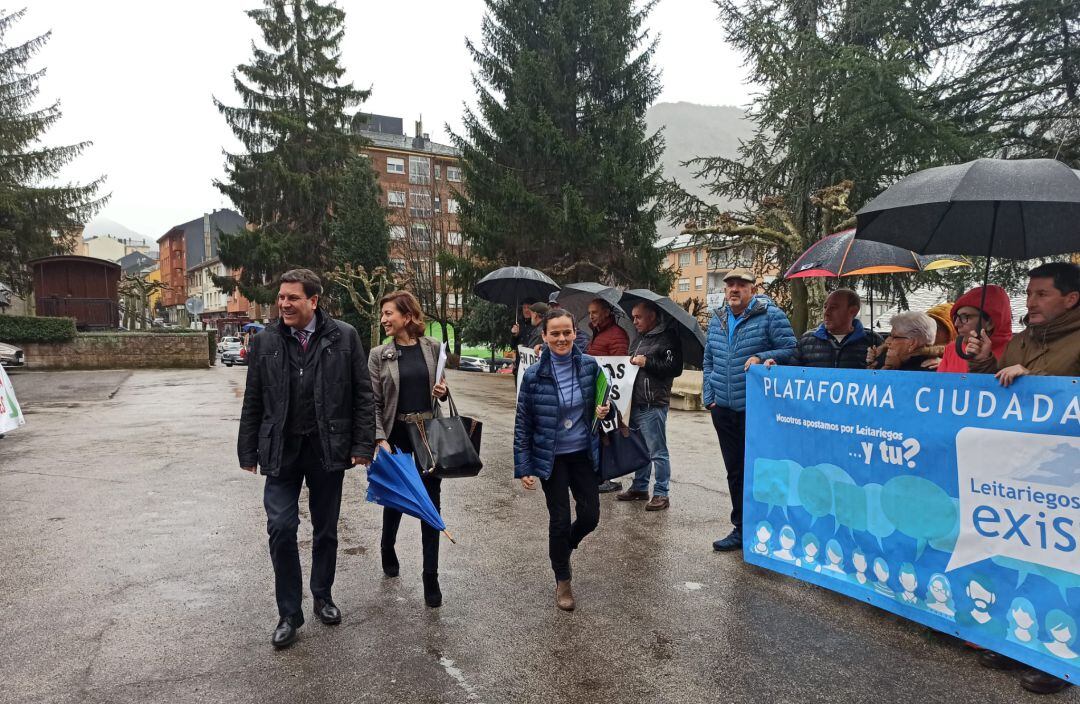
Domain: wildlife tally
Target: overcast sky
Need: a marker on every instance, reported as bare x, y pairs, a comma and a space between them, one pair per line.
136, 77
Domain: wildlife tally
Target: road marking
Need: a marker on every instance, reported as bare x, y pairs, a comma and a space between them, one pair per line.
458, 676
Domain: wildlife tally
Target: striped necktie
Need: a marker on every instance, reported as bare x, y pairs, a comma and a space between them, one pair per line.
302, 335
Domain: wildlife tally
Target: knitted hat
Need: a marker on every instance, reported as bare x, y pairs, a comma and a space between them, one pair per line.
942, 315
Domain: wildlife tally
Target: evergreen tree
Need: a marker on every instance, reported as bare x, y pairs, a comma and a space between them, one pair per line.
36, 219
560, 172
846, 96
295, 126
360, 237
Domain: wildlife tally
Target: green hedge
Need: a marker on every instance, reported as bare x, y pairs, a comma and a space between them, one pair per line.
19, 328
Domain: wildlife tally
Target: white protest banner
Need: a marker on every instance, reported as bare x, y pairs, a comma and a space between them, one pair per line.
620, 373
11, 416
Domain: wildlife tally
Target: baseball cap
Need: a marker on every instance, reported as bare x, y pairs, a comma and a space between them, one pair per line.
539, 308
741, 274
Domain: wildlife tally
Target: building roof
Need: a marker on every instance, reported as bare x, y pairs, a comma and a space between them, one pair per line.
72, 258
223, 221
136, 261
404, 143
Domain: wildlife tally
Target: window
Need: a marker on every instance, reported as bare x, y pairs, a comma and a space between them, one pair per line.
453, 238
419, 204
699, 282
699, 256
397, 264
419, 170
438, 204
438, 268
395, 165
684, 285
421, 234
684, 258
396, 199
451, 205
438, 172
453, 173
397, 232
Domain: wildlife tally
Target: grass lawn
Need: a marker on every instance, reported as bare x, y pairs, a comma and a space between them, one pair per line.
435, 330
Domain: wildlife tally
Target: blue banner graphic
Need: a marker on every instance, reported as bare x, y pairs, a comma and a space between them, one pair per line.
943, 498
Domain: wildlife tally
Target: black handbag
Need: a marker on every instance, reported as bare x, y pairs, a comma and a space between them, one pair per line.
622, 450
447, 446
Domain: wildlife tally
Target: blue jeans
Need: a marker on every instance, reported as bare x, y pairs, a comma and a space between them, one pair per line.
652, 422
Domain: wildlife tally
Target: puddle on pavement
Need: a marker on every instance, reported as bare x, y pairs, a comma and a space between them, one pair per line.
358, 550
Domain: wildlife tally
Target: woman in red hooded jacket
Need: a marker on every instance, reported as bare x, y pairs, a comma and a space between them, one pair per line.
997, 321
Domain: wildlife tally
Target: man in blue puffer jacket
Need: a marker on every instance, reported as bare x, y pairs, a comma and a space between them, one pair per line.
749, 329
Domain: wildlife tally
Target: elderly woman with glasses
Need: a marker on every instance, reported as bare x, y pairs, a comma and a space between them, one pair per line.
901, 350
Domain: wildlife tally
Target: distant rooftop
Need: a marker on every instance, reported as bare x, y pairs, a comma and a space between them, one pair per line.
388, 132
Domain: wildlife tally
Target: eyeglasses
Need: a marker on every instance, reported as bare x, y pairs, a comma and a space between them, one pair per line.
965, 318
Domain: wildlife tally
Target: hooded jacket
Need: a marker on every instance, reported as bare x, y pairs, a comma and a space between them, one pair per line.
764, 332
1050, 349
663, 362
998, 309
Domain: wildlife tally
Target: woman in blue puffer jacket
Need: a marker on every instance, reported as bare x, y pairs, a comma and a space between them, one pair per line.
554, 441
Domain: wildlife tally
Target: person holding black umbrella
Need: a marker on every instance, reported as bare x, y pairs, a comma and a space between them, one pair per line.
404, 384
305, 428
555, 440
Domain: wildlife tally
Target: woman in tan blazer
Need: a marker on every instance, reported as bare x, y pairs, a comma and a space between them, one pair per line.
403, 383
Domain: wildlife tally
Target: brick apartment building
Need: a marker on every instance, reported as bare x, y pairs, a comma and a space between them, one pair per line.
185, 247
418, 178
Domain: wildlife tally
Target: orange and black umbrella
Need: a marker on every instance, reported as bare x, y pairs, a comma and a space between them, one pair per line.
843, 255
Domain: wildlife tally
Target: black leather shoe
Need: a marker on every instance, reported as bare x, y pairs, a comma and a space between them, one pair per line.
1041, 682
286, 632
327, 612
390, 566
610, 486
732, 542
432, 593
996, 661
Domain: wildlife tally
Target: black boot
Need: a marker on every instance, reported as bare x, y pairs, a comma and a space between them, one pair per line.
432, 593
390, 566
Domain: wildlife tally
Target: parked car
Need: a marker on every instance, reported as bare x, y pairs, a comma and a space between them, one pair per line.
237, 355
473, 364
229, 343
504, 366
11, 356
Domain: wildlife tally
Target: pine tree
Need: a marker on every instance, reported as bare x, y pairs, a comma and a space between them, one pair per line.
560, 171
295, 125
36, 219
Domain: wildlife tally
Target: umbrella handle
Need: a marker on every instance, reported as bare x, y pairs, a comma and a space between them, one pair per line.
449, 537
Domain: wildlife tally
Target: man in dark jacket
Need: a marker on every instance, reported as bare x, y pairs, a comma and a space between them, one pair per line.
308, 415
840, 341
608, 340
658, 354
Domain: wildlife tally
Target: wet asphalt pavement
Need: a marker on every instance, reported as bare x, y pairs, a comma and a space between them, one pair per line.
135, 569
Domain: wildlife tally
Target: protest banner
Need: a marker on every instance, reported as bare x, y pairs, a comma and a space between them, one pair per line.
943, 498
11, 416
620, 373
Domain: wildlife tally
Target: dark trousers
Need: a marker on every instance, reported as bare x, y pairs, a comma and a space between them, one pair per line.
281, 497
731, 431
571, 473
429, 537
391, 518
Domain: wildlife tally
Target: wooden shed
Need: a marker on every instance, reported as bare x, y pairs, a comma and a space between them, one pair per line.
83, 288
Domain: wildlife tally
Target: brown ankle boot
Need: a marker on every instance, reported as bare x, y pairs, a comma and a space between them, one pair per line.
564, 598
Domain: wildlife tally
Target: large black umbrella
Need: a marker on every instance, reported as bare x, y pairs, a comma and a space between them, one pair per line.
1015, 209
512, 284
576, 299
690, 333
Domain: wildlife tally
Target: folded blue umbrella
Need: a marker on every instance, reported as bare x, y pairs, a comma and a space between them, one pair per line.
394, 482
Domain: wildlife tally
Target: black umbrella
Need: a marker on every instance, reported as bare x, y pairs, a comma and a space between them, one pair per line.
513, 284
690, 334
576, 299
1015, 209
